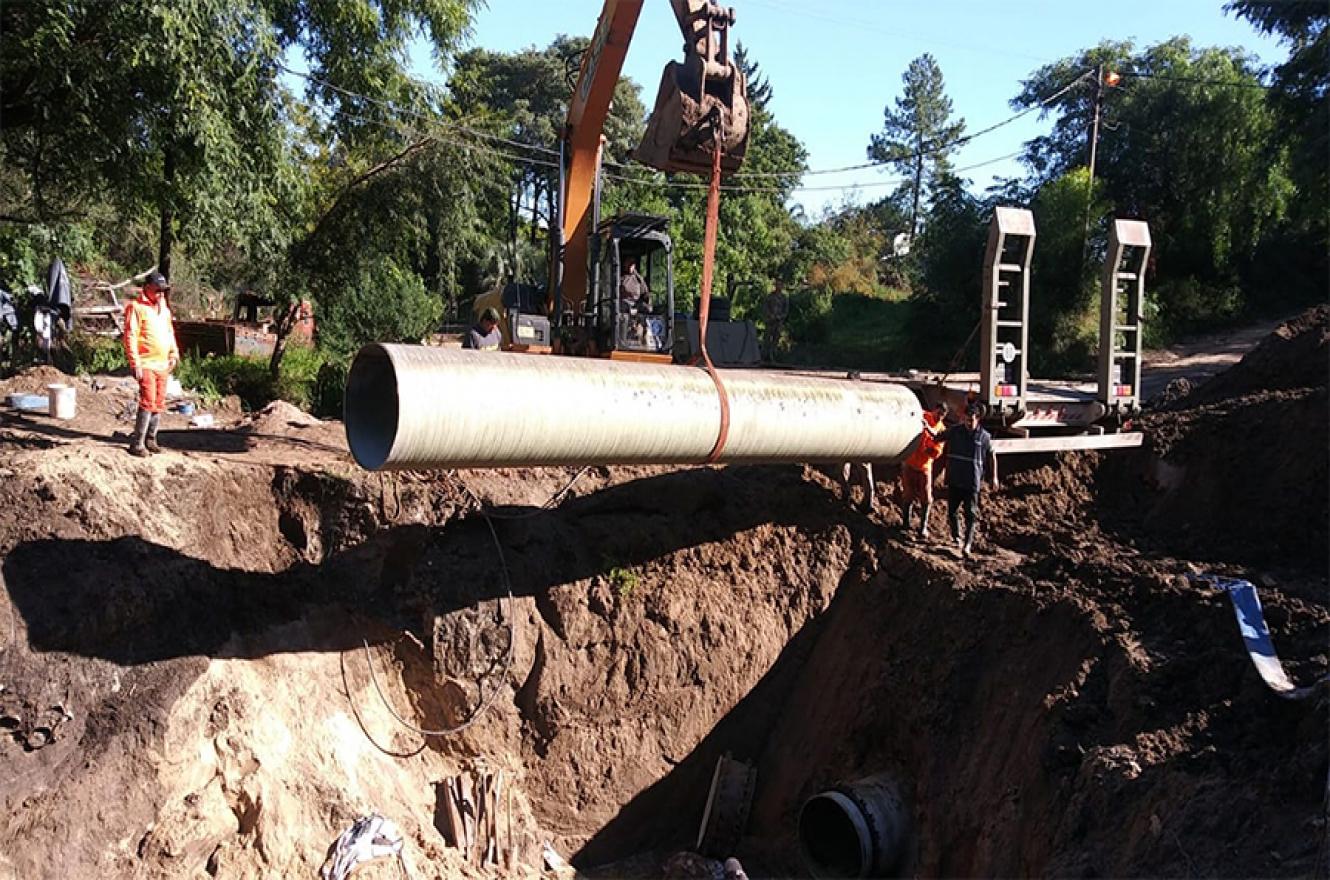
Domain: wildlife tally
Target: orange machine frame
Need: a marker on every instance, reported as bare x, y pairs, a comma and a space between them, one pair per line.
583, 140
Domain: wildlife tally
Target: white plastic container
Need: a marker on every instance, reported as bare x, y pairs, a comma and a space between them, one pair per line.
63, 404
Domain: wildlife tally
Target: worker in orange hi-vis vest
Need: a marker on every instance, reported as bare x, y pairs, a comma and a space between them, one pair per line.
152, 352
917, 472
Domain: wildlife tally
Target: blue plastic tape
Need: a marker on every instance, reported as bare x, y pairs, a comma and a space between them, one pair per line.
1256, 636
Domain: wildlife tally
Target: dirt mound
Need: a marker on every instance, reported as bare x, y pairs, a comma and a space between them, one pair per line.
1295, 356
282, 420
34, 381
1239, 468
279, 417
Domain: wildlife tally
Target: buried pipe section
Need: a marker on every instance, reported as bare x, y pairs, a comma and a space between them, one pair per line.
857, 829
418, 407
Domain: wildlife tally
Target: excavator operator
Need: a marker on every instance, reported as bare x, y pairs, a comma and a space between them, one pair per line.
634, 292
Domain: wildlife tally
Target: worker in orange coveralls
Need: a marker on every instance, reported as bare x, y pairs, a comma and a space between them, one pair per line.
917, 472
152, 352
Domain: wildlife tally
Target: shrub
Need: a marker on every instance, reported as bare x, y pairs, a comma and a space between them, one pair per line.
96, 354
297, 380
329, 389
1188, 305
623, 580
809, 318
213, 377
380, 303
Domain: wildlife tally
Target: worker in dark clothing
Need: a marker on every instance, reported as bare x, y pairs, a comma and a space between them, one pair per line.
634, 293
969, 456
485, 335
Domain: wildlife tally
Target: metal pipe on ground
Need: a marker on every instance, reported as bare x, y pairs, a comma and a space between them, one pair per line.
857, 829
419, 407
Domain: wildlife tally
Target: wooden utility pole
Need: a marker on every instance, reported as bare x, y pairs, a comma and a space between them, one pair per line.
1094, 149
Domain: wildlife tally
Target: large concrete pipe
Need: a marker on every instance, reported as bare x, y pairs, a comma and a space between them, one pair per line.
854, 830
419, 407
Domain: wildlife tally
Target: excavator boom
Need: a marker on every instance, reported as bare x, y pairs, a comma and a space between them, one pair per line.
702, 103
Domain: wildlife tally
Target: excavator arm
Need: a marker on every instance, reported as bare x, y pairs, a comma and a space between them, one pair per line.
702, 103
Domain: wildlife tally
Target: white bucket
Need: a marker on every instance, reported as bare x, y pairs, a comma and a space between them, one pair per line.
62, 401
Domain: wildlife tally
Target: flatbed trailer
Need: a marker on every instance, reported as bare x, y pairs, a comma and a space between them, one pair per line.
1046, 415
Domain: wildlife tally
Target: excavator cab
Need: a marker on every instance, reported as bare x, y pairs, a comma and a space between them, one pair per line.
632, 287
702, 101
702, 108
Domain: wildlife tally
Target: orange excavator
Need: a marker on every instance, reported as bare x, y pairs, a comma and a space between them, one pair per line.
699, 124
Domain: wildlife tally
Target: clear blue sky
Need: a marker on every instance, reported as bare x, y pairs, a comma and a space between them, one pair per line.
835, 64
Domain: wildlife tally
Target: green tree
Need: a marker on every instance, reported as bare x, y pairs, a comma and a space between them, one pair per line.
173, 109
1063, 320
524, 97
1301, 100
178, 108
948, 270
421, 211
756, 229
400, 309
759, 85
919, 134
1191, 145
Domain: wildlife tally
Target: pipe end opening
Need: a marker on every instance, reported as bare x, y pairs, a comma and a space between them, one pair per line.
370, 408
831, 841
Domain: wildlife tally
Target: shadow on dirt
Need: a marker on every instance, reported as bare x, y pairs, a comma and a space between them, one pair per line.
1025, 741
133, 601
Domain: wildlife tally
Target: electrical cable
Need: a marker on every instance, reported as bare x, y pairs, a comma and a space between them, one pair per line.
355, 710
486, 703
960, 141
417, 114
447, 124
872, 184
419, 132
1235, 84
550, 502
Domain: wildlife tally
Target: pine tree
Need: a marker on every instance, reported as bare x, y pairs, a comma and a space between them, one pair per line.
759, 86
919, 134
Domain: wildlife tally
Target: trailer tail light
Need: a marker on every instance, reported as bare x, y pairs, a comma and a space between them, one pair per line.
1006, 391
1122, 391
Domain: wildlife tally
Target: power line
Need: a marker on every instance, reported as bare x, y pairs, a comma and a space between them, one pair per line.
753, 190
666, 184
960, 141
417, 114
1234, 84
472, 147
679, 185
750, 175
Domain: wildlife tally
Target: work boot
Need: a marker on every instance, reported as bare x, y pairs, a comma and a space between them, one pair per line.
969, 541
136, 447
923, 521
150, 441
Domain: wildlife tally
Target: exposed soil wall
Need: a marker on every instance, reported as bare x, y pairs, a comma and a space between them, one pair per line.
1067, 702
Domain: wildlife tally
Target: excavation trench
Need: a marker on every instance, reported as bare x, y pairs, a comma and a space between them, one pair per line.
659, 620
213, 661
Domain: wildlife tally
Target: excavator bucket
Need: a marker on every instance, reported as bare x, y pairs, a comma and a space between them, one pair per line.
702, 101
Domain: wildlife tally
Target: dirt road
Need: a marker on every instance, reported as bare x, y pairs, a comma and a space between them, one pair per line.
1202, 357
